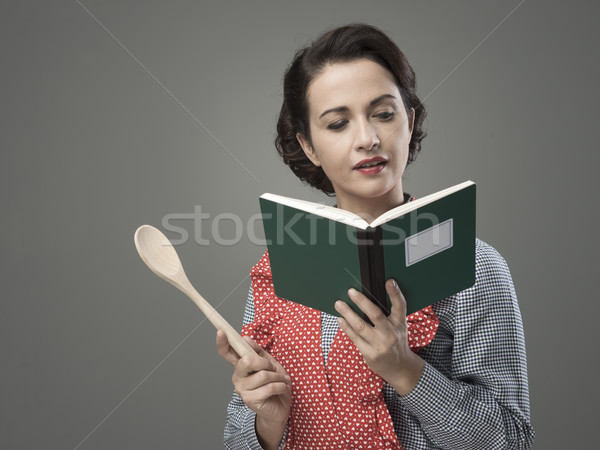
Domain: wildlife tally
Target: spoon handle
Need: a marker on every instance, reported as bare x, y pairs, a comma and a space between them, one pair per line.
235, 340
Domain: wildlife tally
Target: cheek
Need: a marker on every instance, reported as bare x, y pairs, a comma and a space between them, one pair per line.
398, 168
401, 155
332, 142
402, 140
332, 167
332, 151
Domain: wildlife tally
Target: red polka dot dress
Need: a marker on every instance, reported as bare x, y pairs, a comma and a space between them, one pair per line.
335, 406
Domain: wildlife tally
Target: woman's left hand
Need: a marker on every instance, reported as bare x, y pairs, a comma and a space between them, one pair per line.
384, 345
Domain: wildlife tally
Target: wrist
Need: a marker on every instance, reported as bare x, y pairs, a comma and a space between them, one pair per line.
278, 423
406, 379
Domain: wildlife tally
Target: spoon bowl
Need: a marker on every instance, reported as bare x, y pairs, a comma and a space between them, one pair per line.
158, 253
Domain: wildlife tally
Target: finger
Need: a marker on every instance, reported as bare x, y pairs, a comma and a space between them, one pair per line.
373, 312
353, 335
249, 364
225, 350
259, 395
262, 378
398, 302
352, 323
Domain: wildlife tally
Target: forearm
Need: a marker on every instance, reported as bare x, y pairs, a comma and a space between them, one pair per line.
243, 428
240, 431
269, 434
473, 392
454, 414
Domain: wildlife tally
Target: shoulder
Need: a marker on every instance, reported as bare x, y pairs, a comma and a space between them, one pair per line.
493, 292
491, 269
487, 256
263, 267
262, 291
493, 284
488, 308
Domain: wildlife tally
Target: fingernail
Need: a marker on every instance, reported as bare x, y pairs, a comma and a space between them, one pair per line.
338, 304
352, 292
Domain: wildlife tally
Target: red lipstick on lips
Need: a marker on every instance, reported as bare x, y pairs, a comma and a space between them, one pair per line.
371, 166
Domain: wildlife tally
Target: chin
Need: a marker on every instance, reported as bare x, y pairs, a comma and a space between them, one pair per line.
378, 189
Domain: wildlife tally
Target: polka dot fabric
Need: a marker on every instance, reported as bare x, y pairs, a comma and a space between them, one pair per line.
338, 406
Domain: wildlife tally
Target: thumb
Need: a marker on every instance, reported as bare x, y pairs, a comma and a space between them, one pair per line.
257, 348
263, 353
226, 351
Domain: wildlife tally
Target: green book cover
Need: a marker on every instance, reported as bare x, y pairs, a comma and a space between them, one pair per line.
318, 252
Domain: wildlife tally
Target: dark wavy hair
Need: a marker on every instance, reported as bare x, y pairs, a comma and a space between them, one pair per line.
343, 44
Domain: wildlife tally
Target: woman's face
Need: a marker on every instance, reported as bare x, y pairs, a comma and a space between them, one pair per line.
359, 132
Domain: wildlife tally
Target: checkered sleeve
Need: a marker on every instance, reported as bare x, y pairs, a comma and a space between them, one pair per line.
240, 432
474, 396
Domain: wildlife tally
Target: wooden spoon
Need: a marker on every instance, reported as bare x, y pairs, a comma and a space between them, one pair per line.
158, 254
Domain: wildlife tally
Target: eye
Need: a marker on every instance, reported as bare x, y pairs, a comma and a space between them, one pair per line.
337, 125
385, 115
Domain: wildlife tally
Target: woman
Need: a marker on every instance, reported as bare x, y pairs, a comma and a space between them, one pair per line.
450, 376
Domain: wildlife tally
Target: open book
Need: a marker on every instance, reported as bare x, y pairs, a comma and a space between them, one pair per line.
318, 252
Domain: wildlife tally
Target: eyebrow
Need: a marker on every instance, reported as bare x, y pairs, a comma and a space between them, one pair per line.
345, 108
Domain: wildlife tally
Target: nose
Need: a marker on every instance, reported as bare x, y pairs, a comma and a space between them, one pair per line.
366, 136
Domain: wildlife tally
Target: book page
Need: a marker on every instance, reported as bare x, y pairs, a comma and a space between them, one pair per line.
329, 212
410, 206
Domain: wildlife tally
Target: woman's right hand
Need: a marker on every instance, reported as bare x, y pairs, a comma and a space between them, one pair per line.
260, 381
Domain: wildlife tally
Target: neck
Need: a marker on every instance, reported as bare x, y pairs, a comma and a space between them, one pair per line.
371, 208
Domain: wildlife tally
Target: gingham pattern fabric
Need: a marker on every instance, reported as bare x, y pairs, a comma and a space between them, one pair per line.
473, 393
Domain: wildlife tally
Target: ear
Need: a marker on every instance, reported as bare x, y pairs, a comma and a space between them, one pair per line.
308, 149
411, 120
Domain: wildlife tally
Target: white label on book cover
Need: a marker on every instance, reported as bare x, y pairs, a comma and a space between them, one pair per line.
428, 242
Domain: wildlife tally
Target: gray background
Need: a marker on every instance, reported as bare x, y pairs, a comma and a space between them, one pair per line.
115, 114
